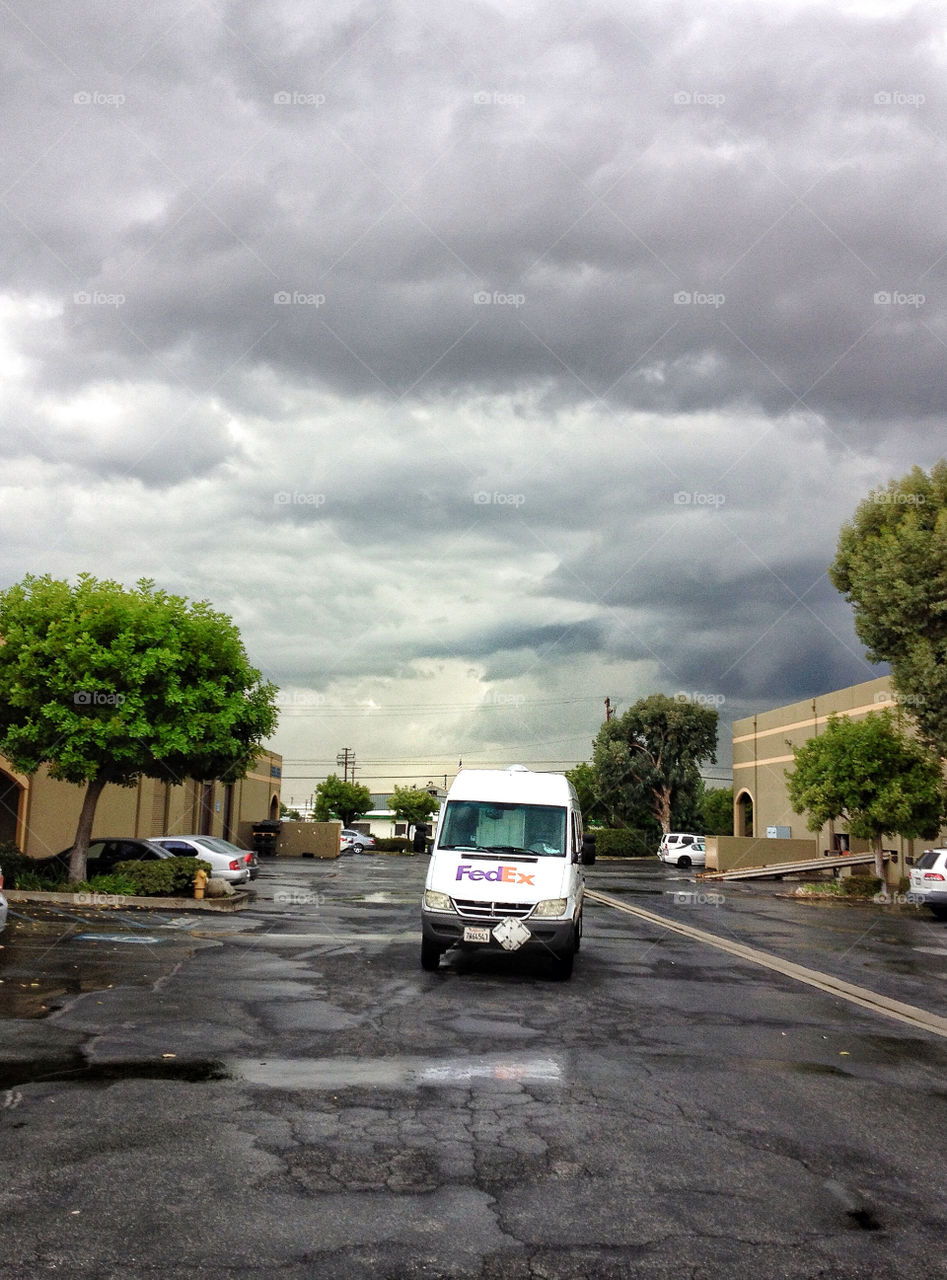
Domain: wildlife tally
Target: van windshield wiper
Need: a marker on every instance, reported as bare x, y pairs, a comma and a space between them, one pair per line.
505, 848
472, 848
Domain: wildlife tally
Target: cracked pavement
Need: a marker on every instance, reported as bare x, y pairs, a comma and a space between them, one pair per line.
284, 1091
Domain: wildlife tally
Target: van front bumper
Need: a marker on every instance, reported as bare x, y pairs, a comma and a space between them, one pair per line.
446, 929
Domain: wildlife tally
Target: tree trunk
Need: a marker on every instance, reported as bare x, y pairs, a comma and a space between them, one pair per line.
879, 863
77, 859
662, 796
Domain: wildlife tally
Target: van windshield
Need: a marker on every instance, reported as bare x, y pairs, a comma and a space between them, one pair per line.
539, 829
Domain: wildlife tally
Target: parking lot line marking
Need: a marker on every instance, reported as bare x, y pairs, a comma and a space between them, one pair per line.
909, 1013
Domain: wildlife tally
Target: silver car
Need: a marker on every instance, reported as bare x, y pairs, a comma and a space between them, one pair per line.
3, 903
227, 862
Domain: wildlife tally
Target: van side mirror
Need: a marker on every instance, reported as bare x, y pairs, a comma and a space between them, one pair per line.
588, 850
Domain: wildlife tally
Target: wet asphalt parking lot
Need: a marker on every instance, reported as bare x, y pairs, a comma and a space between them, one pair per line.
284, 1091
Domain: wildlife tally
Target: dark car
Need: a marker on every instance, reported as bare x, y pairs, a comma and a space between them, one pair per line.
104, 855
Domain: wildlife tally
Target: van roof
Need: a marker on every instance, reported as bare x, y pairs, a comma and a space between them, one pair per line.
515, 784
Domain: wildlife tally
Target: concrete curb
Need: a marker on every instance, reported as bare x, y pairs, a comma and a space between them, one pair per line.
118, 901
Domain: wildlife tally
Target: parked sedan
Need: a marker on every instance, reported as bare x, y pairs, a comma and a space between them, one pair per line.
683, 850
929, 881
356, 841
103, 855
228, 863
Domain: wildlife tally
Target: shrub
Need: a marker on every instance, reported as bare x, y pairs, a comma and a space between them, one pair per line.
860, 886
15, 866
392, 844
621, 842
168, 878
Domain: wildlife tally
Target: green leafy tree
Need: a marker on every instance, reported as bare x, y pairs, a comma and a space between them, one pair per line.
867, 773
585, 781
412, 804
716, 810
647, 759
891, 564
346, 801
103, 683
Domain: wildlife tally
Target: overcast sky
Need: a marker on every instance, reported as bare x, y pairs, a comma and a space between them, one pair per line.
482, 361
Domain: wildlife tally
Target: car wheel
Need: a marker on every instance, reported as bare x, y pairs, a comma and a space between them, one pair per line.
684, 860
430, 956
565, 961
939, 913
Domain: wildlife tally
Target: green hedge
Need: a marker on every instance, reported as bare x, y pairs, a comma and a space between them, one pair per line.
621, 842
169, 878
14, 865
392, 844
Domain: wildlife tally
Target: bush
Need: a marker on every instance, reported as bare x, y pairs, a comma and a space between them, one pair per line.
621, 842
392, 844
861, 886
15, 866
168, 878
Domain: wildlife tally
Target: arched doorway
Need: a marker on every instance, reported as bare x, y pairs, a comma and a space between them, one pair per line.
744, 815
274, 808
11, 793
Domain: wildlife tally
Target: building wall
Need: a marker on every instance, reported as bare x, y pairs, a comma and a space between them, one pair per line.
40, 814
762, 752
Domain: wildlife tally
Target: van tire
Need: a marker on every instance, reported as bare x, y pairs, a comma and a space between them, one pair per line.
578, 932
565, 961
430, 956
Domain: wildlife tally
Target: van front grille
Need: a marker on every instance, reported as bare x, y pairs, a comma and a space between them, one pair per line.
472, 909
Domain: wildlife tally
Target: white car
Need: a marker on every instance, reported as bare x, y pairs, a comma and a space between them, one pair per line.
682, 849
228, 863
929, 881
3, 904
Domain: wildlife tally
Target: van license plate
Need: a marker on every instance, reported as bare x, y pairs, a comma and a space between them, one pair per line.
474, 934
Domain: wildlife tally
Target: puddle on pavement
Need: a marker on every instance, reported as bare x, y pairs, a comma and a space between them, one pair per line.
133, 938
78, 1071
395, 1073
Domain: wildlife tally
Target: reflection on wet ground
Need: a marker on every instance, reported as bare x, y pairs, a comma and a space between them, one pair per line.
395, 1072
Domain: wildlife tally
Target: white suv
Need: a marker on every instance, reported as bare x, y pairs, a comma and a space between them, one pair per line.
929, 881
682, 850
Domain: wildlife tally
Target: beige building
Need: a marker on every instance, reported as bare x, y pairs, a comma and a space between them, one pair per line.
40, 815
762, 752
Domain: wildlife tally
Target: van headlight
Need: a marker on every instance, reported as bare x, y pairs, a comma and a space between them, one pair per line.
551, 907
437, 901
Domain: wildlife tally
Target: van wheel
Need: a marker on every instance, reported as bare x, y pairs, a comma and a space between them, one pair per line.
578, 932
565, 961
430, 956
683, 860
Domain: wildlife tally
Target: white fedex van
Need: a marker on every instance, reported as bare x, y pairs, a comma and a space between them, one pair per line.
506, 867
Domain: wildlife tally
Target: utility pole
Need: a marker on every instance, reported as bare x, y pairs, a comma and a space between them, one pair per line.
346, 758
608, 710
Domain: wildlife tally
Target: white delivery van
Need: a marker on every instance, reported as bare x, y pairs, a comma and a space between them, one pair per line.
506, 867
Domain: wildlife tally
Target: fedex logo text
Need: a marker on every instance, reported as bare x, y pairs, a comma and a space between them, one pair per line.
503, 875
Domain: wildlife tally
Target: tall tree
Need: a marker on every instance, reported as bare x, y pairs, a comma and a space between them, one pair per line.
412, 805
648, 757
891, 564
716, 810
867, 773
103, 684
346, 801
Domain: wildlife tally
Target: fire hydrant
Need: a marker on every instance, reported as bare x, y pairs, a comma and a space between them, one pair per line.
200, 882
